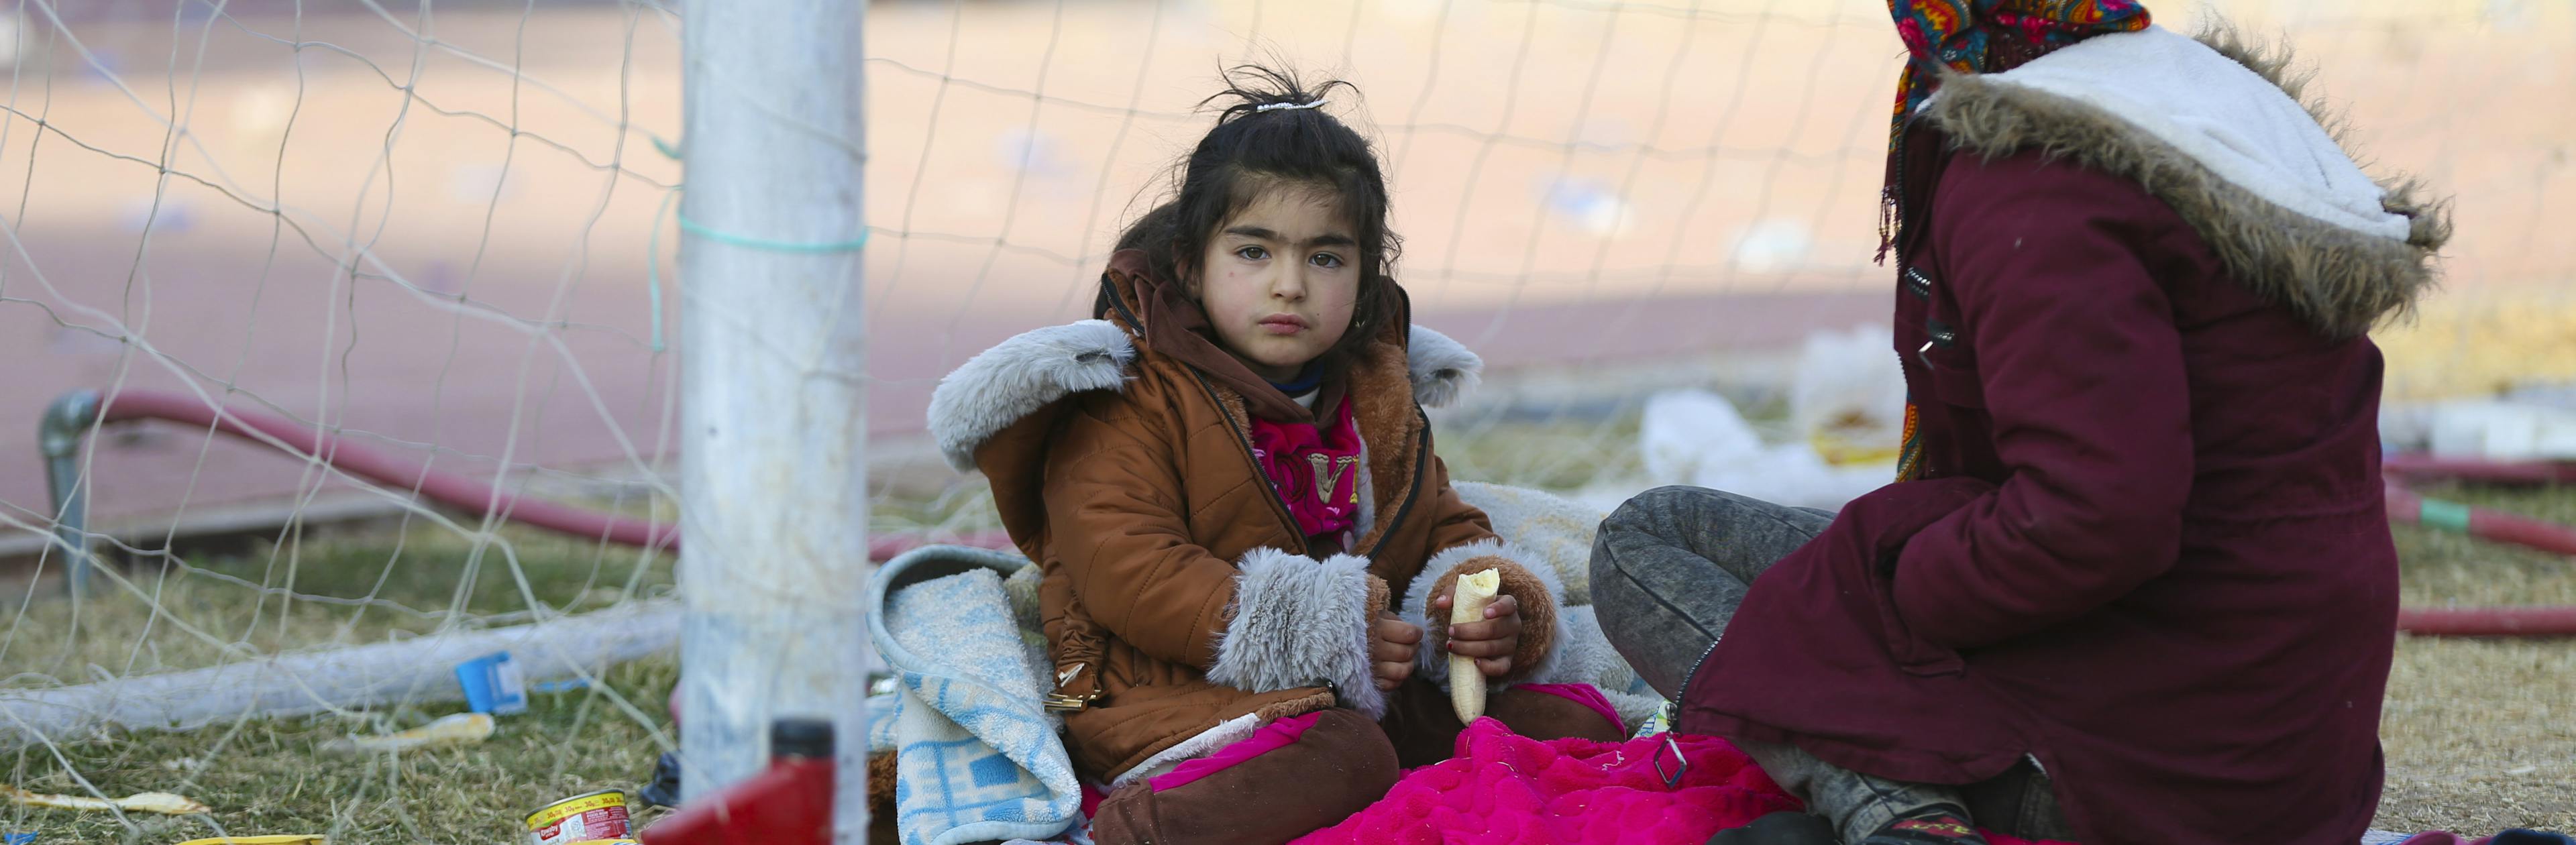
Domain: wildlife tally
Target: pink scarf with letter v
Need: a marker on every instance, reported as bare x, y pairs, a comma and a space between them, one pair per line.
1315, 469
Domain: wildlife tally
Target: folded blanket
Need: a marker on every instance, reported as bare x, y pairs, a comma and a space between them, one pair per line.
1504, 789
976, 754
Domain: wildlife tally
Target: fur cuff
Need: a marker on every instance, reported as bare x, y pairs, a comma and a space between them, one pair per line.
1015, 378
1298, 623
1537, 589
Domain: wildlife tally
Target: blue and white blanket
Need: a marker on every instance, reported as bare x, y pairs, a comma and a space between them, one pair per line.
977, 757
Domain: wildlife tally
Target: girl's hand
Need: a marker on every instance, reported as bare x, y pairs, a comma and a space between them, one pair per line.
1391, 659
1493, 641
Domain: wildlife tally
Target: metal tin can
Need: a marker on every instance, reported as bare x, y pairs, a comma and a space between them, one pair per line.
586, 817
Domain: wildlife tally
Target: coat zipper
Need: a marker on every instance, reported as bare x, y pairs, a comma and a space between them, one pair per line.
1917, 282
1695, 664
1942, 336
1413, 490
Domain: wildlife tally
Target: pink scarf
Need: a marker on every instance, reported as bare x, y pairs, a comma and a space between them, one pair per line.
1314, 469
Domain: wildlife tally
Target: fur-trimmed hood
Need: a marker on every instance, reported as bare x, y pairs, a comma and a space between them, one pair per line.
2214, 127
1020, 375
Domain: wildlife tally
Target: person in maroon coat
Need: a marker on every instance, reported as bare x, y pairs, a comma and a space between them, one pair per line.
2135, 583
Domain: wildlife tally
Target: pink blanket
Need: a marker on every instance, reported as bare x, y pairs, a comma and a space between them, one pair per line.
1503, 789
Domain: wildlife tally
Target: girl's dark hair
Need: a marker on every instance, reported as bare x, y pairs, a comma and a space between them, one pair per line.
1251, 150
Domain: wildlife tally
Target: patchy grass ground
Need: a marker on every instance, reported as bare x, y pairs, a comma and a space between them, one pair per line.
337, 587
267, 776
2479, 734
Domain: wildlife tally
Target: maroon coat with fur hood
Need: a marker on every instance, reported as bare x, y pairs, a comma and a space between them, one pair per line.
2145, 544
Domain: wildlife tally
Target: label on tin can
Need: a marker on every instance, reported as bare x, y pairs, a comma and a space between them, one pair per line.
581, 818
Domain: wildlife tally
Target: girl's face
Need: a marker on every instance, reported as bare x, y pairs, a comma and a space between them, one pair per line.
1279, 279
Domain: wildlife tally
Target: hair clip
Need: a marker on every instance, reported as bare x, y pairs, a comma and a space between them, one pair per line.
1277, 106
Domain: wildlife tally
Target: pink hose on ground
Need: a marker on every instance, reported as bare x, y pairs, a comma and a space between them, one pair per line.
2427, 467
2538, 621
482, 499
455, 491
2405, 506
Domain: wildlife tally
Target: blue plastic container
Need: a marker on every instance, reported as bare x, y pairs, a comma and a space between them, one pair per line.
493, 685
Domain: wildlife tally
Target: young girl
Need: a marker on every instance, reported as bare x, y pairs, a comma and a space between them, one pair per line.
1228, 482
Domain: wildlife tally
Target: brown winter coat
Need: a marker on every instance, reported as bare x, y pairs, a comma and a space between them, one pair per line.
1178, 594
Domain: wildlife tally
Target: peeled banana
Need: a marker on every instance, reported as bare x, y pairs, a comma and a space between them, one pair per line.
456, 728
1467, 604
147, 802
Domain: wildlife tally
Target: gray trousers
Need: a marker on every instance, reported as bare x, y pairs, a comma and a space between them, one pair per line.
1669, 569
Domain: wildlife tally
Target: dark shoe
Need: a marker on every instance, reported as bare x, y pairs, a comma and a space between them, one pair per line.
1787, 827
2523, 836
1934, 825
664, 791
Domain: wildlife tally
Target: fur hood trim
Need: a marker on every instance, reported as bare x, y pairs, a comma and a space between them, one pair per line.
1443, 370
1023, 374
1296, 622
2213, 127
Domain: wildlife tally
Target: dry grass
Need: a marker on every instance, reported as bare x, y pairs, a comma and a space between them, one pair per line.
2481, 734
341, 587
269, 776
1556, 454
2478, 733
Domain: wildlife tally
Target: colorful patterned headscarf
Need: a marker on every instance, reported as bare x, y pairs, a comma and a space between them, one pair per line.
1968, 35
1984, 36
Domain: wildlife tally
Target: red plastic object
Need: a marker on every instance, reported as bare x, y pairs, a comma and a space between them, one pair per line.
789, 803
2542, 621
2418, 466
455, 491
2406, 507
